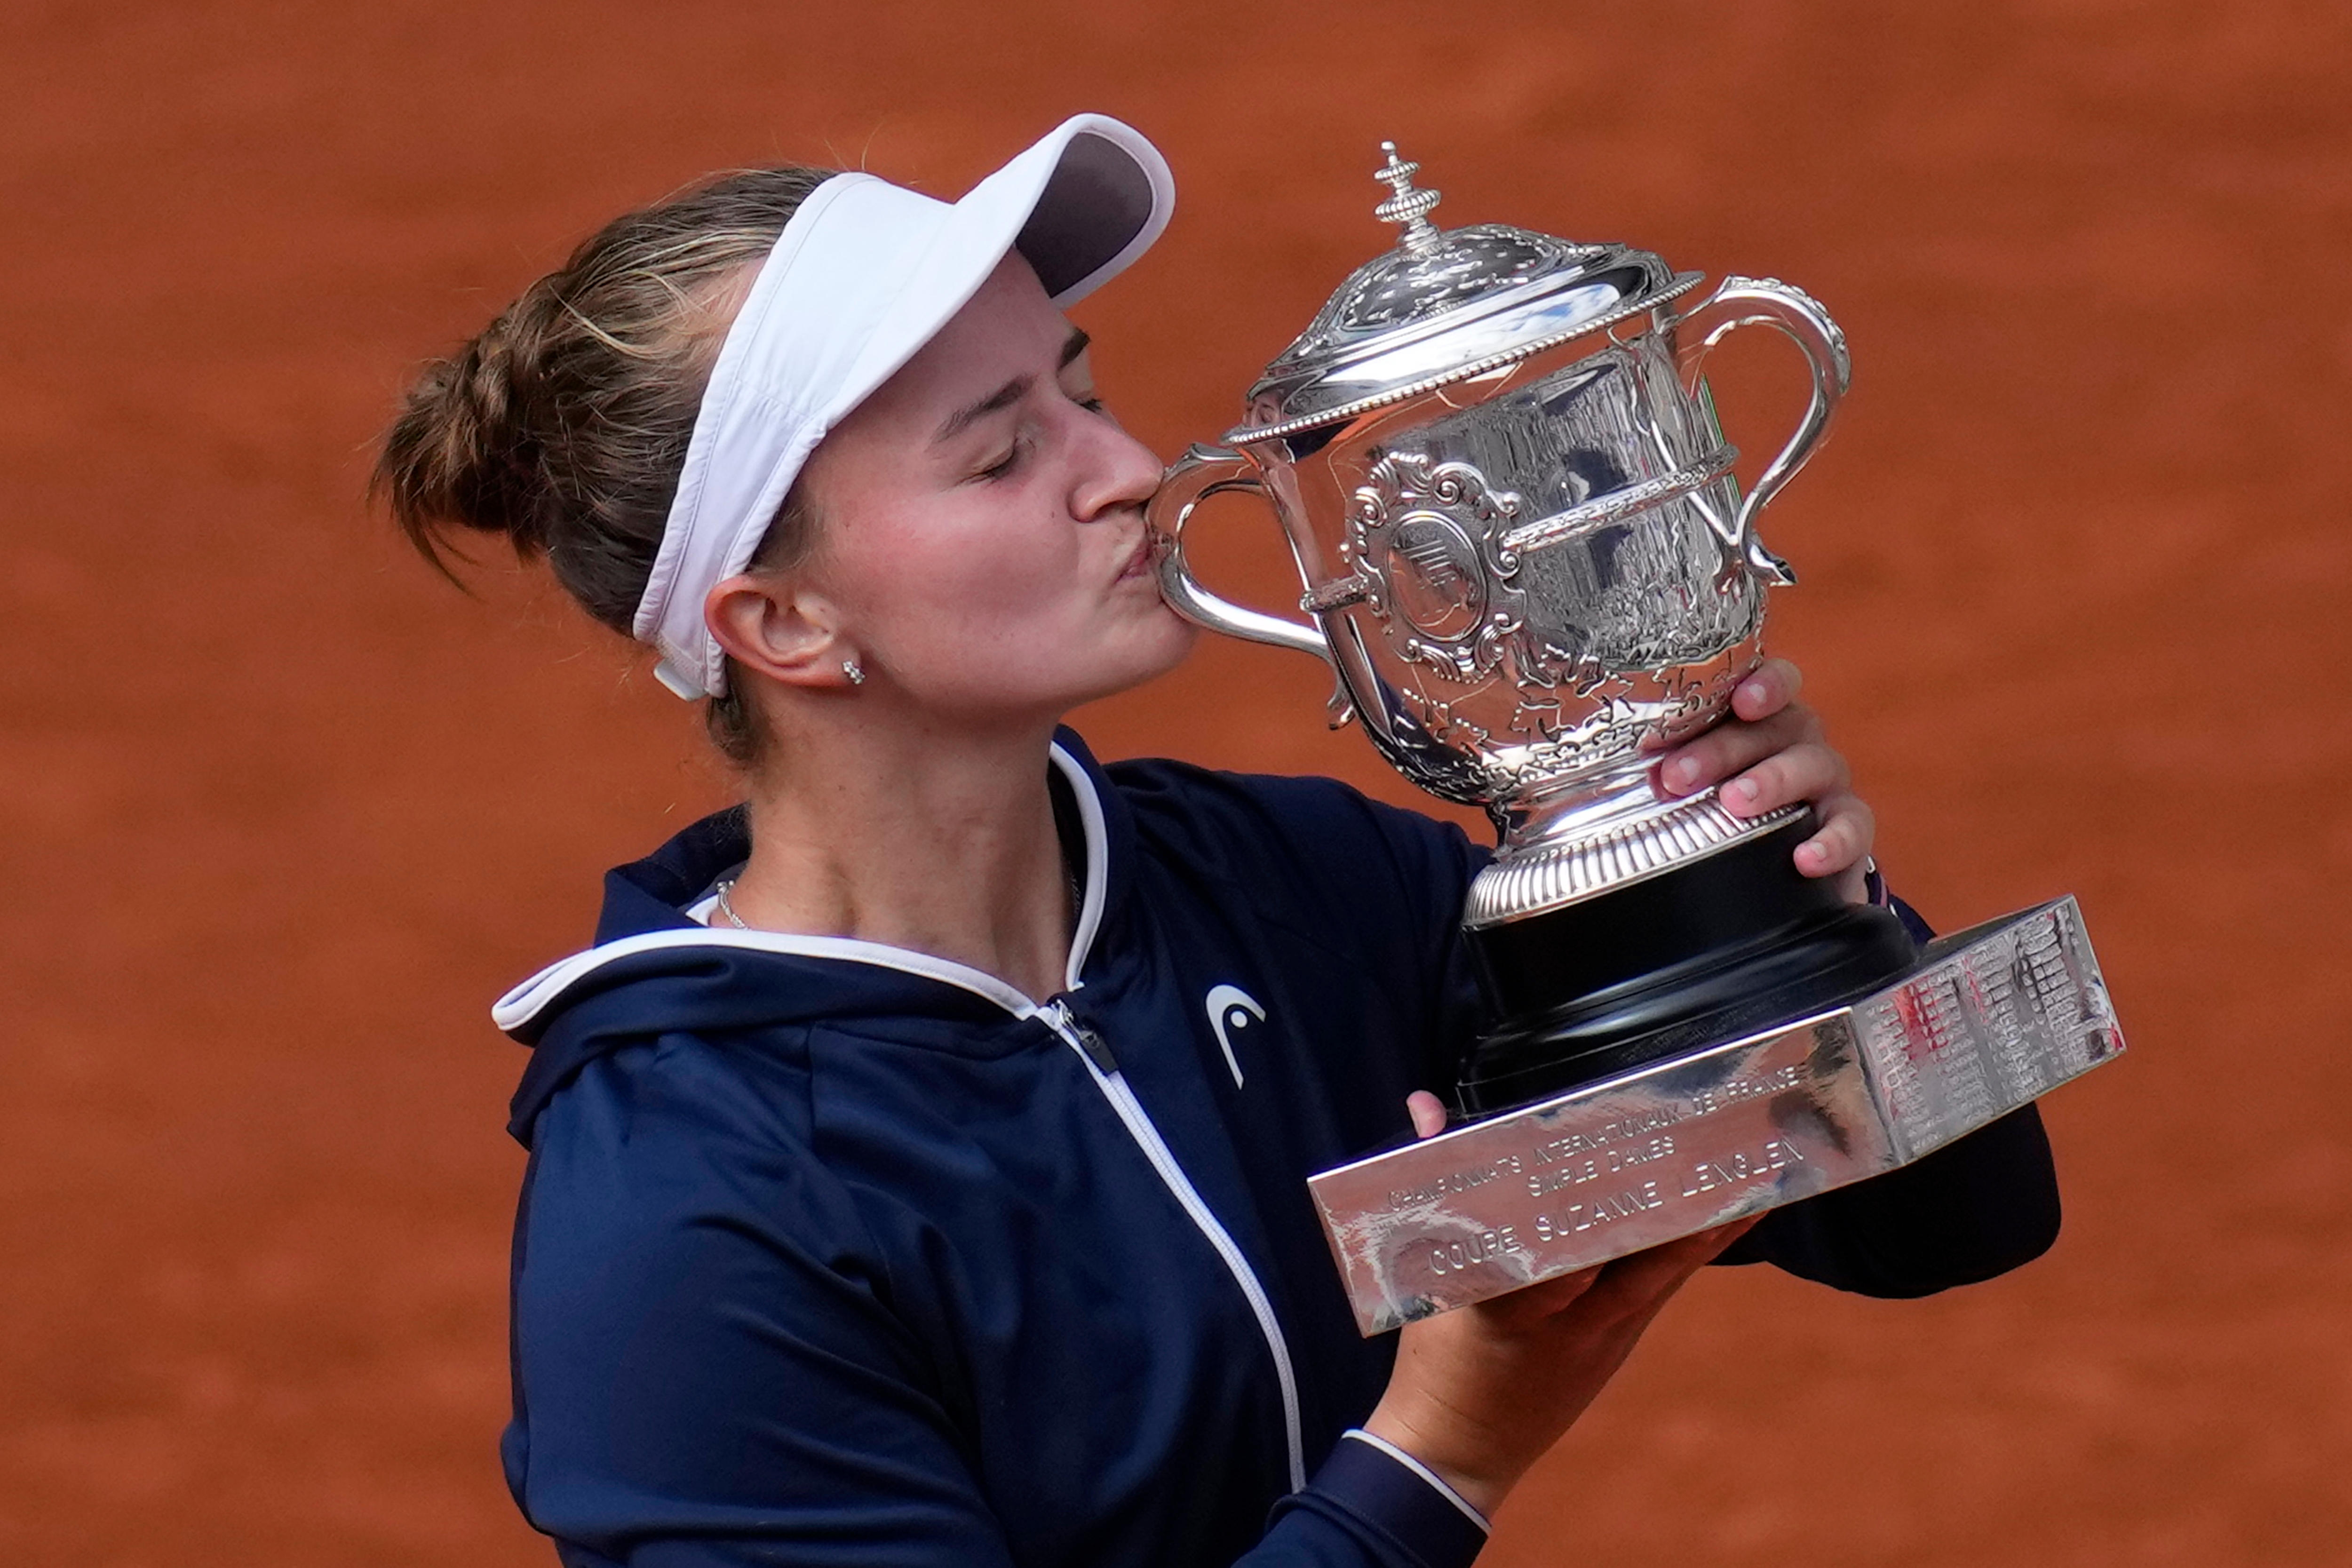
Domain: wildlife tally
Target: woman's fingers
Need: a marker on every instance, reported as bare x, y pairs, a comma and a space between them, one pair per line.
1731, 748
1843, 839
1631, 1287
1842, 847
1428, 1114
1771, 754
1770, 686
1808, 770
1662, 1269
1637, 1286
1526, 1307
1762, 703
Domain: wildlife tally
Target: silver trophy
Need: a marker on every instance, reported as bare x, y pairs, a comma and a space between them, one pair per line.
1531, 567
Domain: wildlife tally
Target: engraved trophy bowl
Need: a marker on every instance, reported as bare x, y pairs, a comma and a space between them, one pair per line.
1528, 562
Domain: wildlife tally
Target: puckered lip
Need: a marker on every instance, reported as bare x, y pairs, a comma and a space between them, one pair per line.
1139, 560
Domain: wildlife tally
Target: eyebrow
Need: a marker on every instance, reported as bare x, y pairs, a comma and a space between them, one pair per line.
1005, 396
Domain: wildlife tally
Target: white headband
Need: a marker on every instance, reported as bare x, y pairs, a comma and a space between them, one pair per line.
863, 275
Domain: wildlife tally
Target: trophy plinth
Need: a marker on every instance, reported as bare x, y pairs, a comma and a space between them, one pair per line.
1530, 566
1989, 1020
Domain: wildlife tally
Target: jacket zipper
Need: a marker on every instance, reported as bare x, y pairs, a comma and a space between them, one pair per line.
1104, 1067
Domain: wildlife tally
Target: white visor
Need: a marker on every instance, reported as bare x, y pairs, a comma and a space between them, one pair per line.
863, 275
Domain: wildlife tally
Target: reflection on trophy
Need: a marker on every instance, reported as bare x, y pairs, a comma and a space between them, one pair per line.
1530, 566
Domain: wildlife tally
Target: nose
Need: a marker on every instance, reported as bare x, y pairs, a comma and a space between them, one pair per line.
1115, 473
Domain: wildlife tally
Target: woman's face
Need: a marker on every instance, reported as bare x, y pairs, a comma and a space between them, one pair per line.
980, 521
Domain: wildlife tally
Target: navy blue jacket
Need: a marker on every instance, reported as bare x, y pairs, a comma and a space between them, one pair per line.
831, 1252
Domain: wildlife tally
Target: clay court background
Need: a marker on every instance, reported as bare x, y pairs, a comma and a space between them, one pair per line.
279, 812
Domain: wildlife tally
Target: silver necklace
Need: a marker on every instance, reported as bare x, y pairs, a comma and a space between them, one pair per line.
726, 904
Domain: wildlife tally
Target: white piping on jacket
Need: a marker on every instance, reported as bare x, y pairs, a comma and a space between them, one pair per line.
534, 995
1437, 1482
1140, 1127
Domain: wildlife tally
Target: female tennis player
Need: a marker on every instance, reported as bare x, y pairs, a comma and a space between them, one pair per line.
919, 1154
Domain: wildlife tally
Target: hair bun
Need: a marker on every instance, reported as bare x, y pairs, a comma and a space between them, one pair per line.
564, 425
461, 452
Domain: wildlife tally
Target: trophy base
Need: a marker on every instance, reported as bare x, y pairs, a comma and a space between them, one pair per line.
1989, 1020
1716, 948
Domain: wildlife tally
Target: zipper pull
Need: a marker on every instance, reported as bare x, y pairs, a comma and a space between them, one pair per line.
1081, 1035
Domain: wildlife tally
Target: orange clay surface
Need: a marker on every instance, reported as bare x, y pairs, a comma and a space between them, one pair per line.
280, 812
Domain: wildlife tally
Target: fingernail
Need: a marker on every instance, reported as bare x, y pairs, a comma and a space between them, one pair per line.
1683, 771
1753, 691
1742, 791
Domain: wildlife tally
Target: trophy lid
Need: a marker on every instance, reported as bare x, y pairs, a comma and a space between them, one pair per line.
1445, 304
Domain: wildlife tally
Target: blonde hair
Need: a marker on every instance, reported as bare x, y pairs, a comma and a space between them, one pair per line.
564, 424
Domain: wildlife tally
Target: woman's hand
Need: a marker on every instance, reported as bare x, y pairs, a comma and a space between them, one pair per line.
1772, 752
1480, 1393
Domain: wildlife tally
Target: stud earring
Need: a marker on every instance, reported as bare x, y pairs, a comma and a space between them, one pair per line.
856, 676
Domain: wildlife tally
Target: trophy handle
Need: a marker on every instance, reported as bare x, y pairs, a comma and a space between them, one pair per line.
1767, 302
1202, 472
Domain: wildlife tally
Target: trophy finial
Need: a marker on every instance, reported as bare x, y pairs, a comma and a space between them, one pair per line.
1410, 206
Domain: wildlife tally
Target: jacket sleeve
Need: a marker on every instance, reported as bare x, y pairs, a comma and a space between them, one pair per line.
1370, 1504
708, 1371
1978, 1207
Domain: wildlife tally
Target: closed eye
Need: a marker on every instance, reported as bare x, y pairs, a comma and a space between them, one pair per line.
1011, 459
1004, 465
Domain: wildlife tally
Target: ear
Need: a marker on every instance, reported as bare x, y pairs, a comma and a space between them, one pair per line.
772, 626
